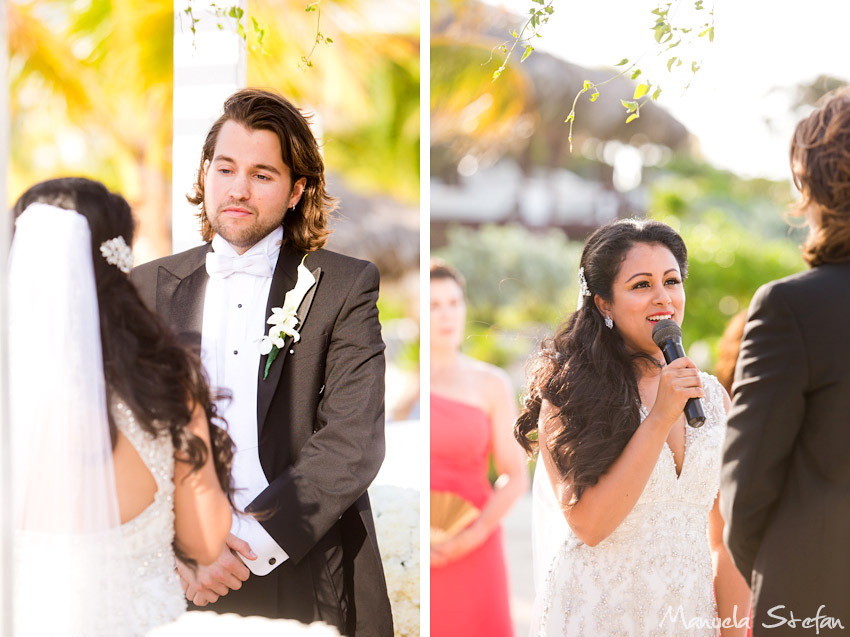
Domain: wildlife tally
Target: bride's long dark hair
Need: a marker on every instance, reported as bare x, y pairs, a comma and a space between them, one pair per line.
160, 380
585, 371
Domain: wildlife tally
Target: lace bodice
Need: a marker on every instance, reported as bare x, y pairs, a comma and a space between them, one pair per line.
156, 595
653, 574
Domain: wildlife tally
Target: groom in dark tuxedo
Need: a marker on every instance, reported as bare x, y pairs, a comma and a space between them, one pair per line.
785, 490
307, 411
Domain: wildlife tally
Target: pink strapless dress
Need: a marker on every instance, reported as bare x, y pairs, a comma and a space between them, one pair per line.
469, 597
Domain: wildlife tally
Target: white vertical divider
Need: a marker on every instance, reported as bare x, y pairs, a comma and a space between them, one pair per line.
209, 65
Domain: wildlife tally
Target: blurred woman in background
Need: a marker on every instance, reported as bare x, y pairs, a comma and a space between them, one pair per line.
472, 414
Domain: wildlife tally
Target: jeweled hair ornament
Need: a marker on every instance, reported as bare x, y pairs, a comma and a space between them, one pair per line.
118, 253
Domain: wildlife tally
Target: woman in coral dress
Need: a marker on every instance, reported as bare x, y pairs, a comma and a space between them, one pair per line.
472, 413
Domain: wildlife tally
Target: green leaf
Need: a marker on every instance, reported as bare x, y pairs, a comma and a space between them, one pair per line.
694, 67
670, 62
641, 90
586, 85
710, 32
594, 96
528, 51
622, 62
270, 360
698, 5
497, 73
513, 34
656, 94
636, 74
329, 40
632, 117
570, 118
630, 107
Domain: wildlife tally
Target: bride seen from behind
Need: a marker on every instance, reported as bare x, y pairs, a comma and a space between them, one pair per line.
118, 461
643, 551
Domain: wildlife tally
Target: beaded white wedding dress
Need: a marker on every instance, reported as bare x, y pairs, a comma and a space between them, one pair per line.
156, 596
653, 575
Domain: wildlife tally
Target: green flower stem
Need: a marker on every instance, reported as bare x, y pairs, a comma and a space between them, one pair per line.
270, 360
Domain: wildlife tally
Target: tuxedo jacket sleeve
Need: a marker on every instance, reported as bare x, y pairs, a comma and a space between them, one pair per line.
328, 409
767, 412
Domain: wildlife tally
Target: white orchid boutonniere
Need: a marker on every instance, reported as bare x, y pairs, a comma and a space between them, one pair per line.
284, 320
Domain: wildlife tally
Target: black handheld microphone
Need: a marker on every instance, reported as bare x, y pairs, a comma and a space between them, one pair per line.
668, 336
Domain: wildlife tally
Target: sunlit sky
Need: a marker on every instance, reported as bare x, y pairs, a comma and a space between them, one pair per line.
761, 49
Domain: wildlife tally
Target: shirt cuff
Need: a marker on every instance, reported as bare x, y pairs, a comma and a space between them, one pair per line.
269, 553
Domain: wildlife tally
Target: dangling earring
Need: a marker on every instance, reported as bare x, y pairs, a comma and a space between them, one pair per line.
609, 322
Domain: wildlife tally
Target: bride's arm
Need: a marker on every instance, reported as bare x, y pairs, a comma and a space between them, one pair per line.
604, 505
730, 587
202, 514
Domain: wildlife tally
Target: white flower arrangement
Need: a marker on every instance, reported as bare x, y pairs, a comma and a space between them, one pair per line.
118, 253
284, 319
396, 513
215, 625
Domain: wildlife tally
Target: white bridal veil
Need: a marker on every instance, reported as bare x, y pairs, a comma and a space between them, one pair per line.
70, 578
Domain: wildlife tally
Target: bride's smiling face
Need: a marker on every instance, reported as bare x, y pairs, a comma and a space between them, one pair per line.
648, 288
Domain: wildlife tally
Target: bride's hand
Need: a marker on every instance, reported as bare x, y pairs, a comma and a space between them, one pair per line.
678, 382
206, 584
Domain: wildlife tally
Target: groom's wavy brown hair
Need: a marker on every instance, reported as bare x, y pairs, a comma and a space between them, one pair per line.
820, 163
306, 226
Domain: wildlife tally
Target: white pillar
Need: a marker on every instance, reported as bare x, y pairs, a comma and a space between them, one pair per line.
5, 443
209, 65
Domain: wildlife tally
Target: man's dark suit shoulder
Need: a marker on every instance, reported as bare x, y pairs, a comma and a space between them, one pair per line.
182, 264
337, 264
805, 290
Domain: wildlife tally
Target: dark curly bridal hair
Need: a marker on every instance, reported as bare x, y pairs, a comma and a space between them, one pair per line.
585, 371
160, 380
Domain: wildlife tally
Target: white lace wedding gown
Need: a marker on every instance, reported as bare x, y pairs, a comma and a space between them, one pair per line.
124, 582
156, 596
653, 574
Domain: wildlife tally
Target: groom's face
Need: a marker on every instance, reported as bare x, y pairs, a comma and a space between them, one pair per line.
247, 187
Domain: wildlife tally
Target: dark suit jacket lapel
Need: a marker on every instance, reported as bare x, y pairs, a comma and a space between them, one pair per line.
285, 276
180, 297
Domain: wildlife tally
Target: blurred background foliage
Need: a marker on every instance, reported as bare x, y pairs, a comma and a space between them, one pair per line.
519, 251
91, 86
522, 283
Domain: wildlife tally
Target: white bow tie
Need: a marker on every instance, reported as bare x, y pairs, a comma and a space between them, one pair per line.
221, 266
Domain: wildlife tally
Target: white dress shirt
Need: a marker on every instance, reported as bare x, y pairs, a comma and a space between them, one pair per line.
233, 324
